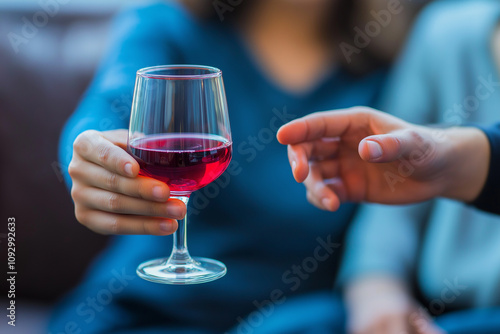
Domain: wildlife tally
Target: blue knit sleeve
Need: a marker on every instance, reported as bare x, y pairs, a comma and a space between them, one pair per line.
489, 199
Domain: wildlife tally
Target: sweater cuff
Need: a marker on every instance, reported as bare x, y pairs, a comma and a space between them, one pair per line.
489, 198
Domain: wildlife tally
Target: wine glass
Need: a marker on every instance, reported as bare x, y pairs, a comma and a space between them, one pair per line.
179, 134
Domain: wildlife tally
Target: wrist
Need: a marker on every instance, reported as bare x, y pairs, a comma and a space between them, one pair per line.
467, 166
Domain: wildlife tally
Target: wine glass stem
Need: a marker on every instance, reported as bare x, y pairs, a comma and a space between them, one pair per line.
180, 254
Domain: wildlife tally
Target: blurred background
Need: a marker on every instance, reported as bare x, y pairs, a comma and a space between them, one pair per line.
43, 74
44, 70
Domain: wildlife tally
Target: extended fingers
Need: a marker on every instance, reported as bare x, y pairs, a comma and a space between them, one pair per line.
324, 124
319, 193
299, 162
109, 223
301, 154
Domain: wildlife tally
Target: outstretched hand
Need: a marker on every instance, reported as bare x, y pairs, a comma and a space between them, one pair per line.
361, 154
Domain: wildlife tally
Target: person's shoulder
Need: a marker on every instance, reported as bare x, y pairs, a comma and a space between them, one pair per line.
450, 25
155, 9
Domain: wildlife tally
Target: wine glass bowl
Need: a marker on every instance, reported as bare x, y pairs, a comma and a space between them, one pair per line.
180, 134
185, 162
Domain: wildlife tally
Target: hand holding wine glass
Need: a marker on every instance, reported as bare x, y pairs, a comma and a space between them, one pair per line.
179, 134
110, 197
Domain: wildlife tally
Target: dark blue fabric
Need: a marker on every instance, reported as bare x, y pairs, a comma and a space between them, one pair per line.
255, 218
489, 199
323, 312
315, 313
478, 321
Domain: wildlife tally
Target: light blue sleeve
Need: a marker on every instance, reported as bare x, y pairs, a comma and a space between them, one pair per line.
140, 37
384, 240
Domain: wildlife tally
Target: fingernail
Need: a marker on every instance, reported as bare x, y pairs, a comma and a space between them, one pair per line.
158, 192
294, 165
374, 149
326, 203
166, 227
128, 169
175, 211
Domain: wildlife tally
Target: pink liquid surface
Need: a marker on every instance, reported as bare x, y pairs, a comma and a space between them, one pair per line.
184, 162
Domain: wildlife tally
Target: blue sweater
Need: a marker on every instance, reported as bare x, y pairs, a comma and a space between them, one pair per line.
255, 219
447, 74
489, 198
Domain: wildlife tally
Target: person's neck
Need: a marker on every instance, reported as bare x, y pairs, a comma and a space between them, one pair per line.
281, 21
287, 37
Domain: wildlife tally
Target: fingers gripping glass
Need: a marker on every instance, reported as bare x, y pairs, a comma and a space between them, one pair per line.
179, 134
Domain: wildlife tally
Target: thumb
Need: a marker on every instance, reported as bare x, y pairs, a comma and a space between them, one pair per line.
390, 147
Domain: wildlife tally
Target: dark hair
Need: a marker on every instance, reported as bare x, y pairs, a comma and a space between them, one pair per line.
339, 29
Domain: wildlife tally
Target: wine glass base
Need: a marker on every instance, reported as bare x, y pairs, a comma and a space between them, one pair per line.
201, 270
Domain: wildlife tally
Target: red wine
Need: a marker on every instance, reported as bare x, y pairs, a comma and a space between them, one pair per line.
184, 162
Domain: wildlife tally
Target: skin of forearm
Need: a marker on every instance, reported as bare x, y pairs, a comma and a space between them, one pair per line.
362, 288
467, 155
